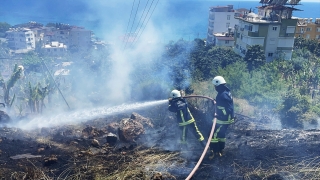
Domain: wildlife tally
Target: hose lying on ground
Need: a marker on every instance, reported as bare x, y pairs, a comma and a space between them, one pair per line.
209, 139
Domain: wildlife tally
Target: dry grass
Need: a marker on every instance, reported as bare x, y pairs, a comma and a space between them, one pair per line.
144, 164
282, 168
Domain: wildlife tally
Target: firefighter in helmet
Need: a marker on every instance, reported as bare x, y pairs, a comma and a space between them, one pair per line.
224, 115
185, 119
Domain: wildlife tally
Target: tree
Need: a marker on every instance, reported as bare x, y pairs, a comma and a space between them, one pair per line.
255, 57
206, 61
32, 61
6, 86
293, 108
3, 28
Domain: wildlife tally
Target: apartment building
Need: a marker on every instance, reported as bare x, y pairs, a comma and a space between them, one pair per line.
308, 29
221, 18
48, 39
20, 39
79, 37
224, 39
54, 49
273, 28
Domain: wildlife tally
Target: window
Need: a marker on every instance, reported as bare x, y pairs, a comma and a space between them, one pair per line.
318, 29
228, 17
308, 29
302, 29
227, 41
270, 54
308, 36
250, 28
228, 25
274, 28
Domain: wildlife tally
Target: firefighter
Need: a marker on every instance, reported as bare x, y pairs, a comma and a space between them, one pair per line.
224, 115
185, 119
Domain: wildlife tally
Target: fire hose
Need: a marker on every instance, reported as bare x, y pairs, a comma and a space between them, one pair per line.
210, 136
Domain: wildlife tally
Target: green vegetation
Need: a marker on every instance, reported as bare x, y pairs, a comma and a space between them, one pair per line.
3, 28
6, 86
289, 87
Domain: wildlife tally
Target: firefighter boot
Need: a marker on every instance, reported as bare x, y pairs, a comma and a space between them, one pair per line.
221, 153
211, 155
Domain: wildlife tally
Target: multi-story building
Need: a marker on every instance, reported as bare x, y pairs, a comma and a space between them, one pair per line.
224, 39
54, 49
308, 29
221, 18
273, 28
79, 37
22, 39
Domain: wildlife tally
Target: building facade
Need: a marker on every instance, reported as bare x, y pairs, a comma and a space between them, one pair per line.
79, 37
55, 40
223, 39
21, 39
54, 49
308, 29
273, 28
221, 19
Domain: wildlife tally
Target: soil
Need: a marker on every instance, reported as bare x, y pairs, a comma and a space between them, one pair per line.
82, 151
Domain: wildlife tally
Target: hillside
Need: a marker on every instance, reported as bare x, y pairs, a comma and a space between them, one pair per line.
82, 151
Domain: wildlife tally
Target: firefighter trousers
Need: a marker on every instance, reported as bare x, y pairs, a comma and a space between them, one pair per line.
219, 138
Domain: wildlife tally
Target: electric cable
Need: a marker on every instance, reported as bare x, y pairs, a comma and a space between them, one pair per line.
134, 37
132, 24
125, 35
148, 19
143, 20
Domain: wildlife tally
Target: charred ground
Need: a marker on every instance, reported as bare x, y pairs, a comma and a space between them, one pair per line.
82, 151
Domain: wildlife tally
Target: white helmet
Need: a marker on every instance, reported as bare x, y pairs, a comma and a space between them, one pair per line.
175, 94
218, 80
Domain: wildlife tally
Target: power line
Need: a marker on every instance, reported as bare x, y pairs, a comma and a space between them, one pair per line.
148, 19
132, 23
125, 35
143, 21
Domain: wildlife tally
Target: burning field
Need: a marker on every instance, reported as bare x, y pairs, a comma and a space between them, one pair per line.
143, 144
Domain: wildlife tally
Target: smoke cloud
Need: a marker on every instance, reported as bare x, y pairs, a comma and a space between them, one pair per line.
128, 73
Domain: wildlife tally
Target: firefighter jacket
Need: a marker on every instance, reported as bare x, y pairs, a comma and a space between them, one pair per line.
180, 107
225, 109
184, 117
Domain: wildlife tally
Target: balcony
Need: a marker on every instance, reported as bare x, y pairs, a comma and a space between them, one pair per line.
253, 34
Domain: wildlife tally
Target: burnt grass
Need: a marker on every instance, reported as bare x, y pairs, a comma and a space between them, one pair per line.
82, 151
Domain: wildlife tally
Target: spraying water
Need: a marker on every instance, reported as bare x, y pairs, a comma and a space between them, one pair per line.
81, 115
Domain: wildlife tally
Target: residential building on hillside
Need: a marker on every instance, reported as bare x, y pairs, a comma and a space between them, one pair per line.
224, 39
308, 29
221, 18
273, 28
79, 37
20, 39
54, 49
